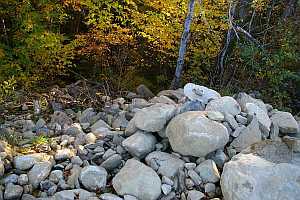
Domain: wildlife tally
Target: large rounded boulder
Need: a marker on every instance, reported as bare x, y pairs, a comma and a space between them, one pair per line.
192, 134
267, 170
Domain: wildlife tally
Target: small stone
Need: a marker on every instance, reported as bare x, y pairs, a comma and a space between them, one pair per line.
23, 179
210, 189
189, 183
109, 196
241, 119
52, 190
190, 165
166, 189
195, 195
90, 138
220, 158
195, 177
208, 171
215, 115
13, 192
129, 197
64, 154
230, 119
167, 180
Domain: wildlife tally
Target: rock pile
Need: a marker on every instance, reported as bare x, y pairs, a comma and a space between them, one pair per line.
186, 144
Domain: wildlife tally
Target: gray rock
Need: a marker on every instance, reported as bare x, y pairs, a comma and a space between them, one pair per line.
27, 197
100, 126
131, 127
262, 116
23, 179
11, 178
64, 154
108, 154
129, 197
87, 115
231, 121
193, 134
208, 171
93, 177
79, 194
166, 189
241, 119
220, 158
39, 172
76, 160
285, 121
154, 118
90, 138
120, 120
243, 98
109, 196
2, 168
165, 164
195, 195
56, 175
249, 135
167, 180
13, 192
238, 131
292, 142
224, 104
112, 162
195, 177
210, 189
190, 165
73, 178
62, 119
162, 99
138, 180
144, 91
215, 115
173, 94
266, 170
140, 144
25, 162
200, 93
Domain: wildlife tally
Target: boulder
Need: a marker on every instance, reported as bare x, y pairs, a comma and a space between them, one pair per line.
154, 118
99, 126
144, 91
140, 144
138, 180
39, 172
164, 163
93, 177
267, 170
262, 117
173, 94
243, 98
200, 93
192, 134
249, 135
285, 121
224, 104
25, 162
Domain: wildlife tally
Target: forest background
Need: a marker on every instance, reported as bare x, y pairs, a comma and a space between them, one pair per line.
124, 43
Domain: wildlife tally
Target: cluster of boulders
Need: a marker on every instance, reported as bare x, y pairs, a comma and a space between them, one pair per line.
186, 144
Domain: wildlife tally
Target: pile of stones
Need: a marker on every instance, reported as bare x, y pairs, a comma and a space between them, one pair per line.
186, 144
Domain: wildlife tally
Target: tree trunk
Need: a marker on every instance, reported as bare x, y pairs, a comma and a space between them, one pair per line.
183, 44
